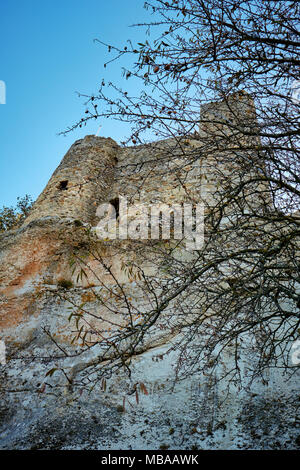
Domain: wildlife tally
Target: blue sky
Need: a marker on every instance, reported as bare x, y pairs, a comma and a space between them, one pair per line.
47, 54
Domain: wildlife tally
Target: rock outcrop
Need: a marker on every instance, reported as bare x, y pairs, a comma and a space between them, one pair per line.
38, 284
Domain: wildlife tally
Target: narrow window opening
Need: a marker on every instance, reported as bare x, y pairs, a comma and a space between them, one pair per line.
116, 204
63, 185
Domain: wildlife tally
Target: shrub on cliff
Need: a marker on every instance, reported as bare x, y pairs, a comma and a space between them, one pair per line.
14, 216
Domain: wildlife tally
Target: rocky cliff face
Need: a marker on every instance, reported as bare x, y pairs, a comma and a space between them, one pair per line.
37, 287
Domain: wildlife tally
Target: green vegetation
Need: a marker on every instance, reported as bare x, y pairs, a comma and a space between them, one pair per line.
65, 284
13, 217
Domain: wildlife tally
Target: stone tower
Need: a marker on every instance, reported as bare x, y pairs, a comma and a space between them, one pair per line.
80, 182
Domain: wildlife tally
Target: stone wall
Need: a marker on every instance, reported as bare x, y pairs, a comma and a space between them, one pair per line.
81, 181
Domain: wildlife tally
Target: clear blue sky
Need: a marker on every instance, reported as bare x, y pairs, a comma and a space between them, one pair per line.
47, 54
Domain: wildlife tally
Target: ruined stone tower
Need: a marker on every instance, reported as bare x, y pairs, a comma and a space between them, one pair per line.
97, 170
81, 181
